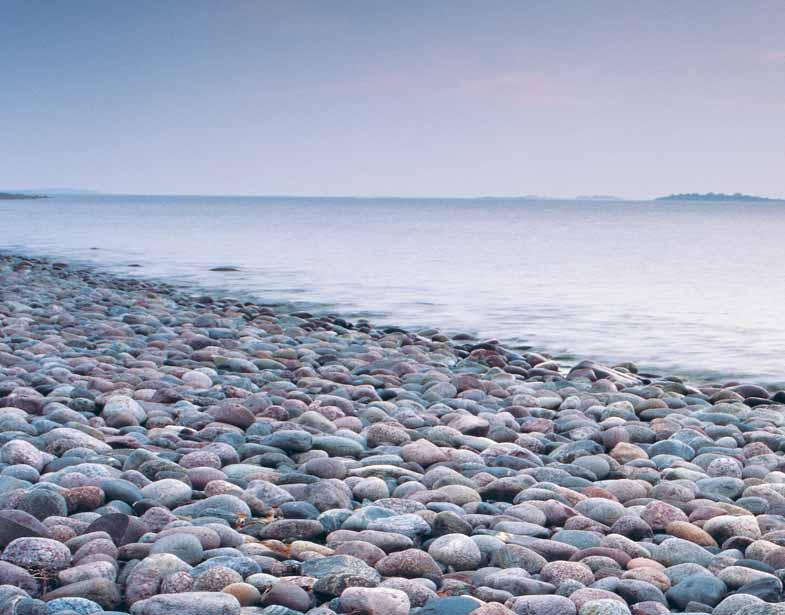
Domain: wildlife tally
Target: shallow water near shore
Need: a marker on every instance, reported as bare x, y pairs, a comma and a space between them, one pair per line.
691, 288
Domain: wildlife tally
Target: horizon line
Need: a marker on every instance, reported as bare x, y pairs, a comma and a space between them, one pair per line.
527, 197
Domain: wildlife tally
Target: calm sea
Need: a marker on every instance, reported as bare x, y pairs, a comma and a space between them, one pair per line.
690, 288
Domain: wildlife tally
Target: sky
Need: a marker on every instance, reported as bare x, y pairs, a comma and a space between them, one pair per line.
406, 98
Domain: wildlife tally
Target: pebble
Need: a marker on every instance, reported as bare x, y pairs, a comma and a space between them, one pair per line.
38, 554
374, 601
188, 603
697, 588
286, 594
164, 451
456, 551
543, 605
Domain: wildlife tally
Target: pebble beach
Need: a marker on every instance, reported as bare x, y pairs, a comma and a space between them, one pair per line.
165, 451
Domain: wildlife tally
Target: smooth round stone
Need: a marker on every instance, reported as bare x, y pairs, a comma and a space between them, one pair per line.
200, 459
42, 504
601, 510
370, 489
92, 570
580, 539
411, 525
416, 590
197, 379
13, 575
286, 594
375, 601
104, 592
756, 505
270, 494
558, 572
674, 551
457, 551
691, 533
720, 488
543, 605
122, 528
22, 472
239, 563
633, 591
750, 390
123, 411
596, 465
246, 594
82, 606
367, 552
299, 510
724, 466
652, 576
337, 446
423, 453
697, 588
188, 603
169, 492
38, 554
604, 607
522, 528
215, 578
723, 527
18, 524
516, 581
329, 494
734, 603
517, 556
411, 564
591, 594
23, 453
290, 440
678, 573
448, 522
325, 467
222, 506
658, 515
185, 546
302, 529
632, 526
30, 606
176, 583
568, 587
335, 573
768, 589
672, 447
451, 605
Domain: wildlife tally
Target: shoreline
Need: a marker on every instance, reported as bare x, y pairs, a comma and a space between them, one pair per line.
166, 451
189, 290
696, 375
14, 196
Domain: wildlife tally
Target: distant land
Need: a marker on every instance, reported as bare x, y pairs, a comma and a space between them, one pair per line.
715, 196
8, 196
45, 190
42, 193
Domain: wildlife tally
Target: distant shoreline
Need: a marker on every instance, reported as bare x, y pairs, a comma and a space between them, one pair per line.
718, 197
709, 197
12, 196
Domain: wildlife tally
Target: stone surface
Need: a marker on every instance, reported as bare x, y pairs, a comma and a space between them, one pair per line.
188, 603
375, 601
37, 554
166, 451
